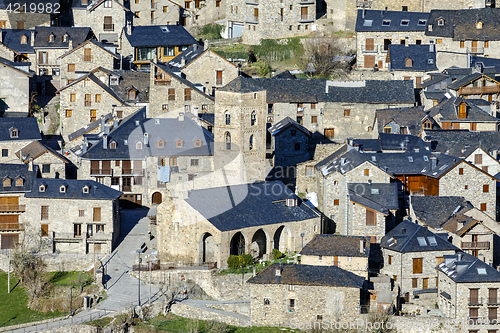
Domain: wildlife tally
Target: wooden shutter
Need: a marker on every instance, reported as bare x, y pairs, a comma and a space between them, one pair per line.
492, 296
474, 295
371, 217
9, 218
87, 54
370, 45
369, 61
171, 94
417, 265
187, 94
336, 261
45, 230
473, 126
329, 133
425, 283
45, 213
218, 75
97, 214
418, 81
478, 159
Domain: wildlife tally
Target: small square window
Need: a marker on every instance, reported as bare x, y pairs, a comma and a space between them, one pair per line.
5, 152
45, 168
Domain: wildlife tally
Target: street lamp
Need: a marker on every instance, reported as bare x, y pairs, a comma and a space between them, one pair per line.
139, 251
71, 300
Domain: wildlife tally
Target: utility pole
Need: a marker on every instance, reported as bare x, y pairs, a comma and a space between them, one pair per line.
94, 263
8, 275
139, 285
149, 264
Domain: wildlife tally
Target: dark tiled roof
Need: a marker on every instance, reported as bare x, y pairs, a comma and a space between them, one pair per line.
12, 39
463, 267
160, 35
133, 130
308, 275
249, 205
284, 75
379, 197
436, 211
89, 128
191, 53
423, 57
132, 80
372, 91
461, 24
467, 79
381, 20
435, 78
448, 110
339, 152
96, 43
402, 142
35, 150
410, 237
410, 118
77, 35
367, 145
337, 245
207, 117
74, 190
14, 171
27, 128
486, 62
287, 122
462, 143
19, 66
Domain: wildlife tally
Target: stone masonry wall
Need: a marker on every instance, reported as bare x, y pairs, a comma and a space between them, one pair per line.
356, 265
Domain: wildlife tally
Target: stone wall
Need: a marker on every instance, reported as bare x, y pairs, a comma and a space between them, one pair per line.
356, 265
15, 90
290, 147
57, 166
12, 147
188, 311
95, 20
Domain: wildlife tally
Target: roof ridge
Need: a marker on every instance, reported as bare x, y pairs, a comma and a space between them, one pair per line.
409, 238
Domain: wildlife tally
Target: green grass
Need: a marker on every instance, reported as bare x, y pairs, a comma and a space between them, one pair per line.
68, 278
13, 306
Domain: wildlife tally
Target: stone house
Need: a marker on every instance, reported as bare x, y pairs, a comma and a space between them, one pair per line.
83, 59
145, 158
412, 62
376, 30
204, 67
257, 20
411, 253
50, 43
311, 296
16, 89
156, 12
50, 163
106, 18
171, 93
411, 120
143, 44
468, 292
479, 157
290, 144
19, 20
477, 86
350, 253
17, 45
72, 216
464, 225
247, 218
459, 33
15, 134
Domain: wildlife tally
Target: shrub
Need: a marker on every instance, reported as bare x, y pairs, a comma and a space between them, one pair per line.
277, 254
246, 259
234, 261
211, 31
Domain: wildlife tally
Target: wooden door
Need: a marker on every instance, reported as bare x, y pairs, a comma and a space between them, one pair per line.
94, 167
106, 167
304, 12
371, 217
369, 61
474, 296
157, 199
425, 283
218, 77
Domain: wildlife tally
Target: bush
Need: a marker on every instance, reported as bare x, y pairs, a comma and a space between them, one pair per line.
234, 261
211, 31
277, 254
246, 259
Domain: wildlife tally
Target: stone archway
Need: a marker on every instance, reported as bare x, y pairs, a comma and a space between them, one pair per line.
277, 238
259, 244
207, 248
157, 198
237, 245
283, 239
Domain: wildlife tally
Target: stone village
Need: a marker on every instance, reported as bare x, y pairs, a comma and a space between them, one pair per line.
371, 195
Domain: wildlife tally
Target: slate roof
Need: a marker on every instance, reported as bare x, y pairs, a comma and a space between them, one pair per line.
285, 75
77, 35
435, 78
462, 142
409, 117
336, 154
423, 57
249, 205
91, 41
380, 197
337, 245
207, 117
382, 20
465, 268
401, 142
190, 54
132, 80
18, 66
313, 91
435, 211
485, 62
89, 128
467, 79
285, 123
27, 128
74, 190
36, 149
14, 171
410, 237
132, 130
308, 275
448, 110
160, 35
461, 24
12, 39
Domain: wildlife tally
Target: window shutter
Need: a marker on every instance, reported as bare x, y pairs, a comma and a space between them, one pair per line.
97, 214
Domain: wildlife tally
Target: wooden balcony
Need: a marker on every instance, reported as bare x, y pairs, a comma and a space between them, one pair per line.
11, 226
306, 18
133, 172
475, 245
252, 19
479, 90
162, 82
12, 208
493, 301
101, 172
476, 301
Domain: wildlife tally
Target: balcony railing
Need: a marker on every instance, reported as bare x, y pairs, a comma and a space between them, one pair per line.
476, 301
161, 82
479, 90
252, 19
12, 208
373, 49
306, 18
11, 226
252, 2
88, 103
366, 4
475, 50
101, 172
493, 301
133, 172
475, 245
108, 27
126, 188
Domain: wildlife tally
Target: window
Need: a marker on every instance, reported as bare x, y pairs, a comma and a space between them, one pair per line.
99, 228
478, 159
24, 39
5, 152
187, 4
195, 162
347, 113
366, 172
45, 230
228, 118
417, 265
62, 189
179, 143
108, 3
217, 3
404, 23
88, 100
71, 67
132, 94
6, 182
190, 177
69, 113
462, 111
97, 214
253, 118
291, 304
87, 54
77, 231
55, 72
329, 133
50, 38
65, 38
218, 77
408, 62
483, 206
164, 107
441, 22
460, 171
45, 212
20, 25
314, 119
173, 161
85, 189
138, 145
296, 146
309, 170
371, 217
462, 44
369, 44
81, 212
414, 282
171, 94
404, 8
45, 168
98, 98
484, 168
19, 182
160, 144
336, 202
119, 114
228, 140
14, 133
72, 97
486, 44
486, 188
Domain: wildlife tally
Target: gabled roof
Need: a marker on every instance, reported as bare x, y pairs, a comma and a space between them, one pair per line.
402, 142
423, 57
91, 41
18, 66
471, 78
410, 237
285, 75
380, 197
94, 4
462, 142
285, 123
249, 205
77, 35
189, 54
409, 117
337, 245
89, 128
74, 190
382, 20
448, 110
37, 149
27, 128
12, 39
485, 62
132, 80
13, 171
435, 78
435, 211
308, 275
148, 131
160, 35
465, 268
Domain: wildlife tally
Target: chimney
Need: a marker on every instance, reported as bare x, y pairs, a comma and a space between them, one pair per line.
183, 61
363, 12
84, 147
32, 41
115, 122
431, 48
206, 44
433, 162
103, 123
70, 44
106, 129
105, 141
195, 46
146, 138
181, 116
128, 28
361, 246
1, 36
30, 165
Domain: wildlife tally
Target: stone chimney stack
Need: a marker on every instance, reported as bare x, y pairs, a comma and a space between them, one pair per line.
105, 141
103, 123
361, 246
32, 41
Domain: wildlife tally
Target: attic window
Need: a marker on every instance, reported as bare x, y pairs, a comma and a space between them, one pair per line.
85, 189
179, 143
65, 38
197, 143
24, 39
138, 145
51, 38
41, 188
432, 240
422, 22
405, 23
164, 29
14, 133
479, 25
112, 145
481, 271
6, 182
367, 23
462, 111
386, 23
426, 158
410, 159
113, 81
19, 181
160, 144
441, 22
421, 241
374, 191
291, 202
62, 189
430, 61
132, 94
408, 62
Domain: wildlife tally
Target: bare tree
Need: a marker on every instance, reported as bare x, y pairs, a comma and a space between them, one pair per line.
30, 270
318, 60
